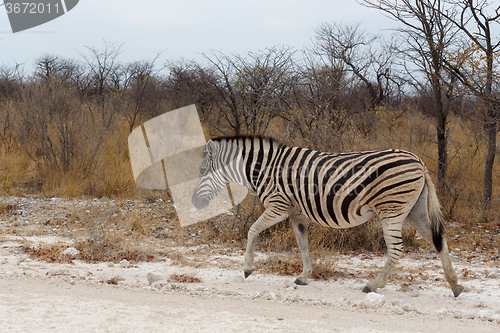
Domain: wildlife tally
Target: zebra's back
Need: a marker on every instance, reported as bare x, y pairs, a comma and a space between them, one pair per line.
345, 190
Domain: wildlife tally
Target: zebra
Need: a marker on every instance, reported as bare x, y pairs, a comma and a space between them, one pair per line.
337, 190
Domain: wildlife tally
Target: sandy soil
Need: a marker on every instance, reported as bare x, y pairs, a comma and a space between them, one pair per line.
36, 296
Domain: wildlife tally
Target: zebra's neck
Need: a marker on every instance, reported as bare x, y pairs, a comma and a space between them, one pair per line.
255, 157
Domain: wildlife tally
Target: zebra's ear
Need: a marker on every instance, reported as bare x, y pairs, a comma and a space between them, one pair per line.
211, 146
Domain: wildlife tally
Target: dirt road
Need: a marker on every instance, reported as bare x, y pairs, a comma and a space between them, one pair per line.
212, 295
29, 305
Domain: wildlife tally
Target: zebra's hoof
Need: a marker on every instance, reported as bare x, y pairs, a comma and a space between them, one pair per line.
247, 273
367, 289
301, 282
458, 290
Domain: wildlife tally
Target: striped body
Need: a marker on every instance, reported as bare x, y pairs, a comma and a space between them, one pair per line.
335, 190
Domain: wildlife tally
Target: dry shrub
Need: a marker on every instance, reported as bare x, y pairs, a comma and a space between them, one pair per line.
6, 208
137, 223
183, 278
293, 267
230, 227
105, 243
49, 253
113, 172
326, 271
280, 266
104, 235
114, 250
16, 171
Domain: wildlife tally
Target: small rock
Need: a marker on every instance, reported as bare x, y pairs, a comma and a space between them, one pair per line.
483, 314
153, 277
115, 279
239, 279
399, 310
493, 275
397, 302
414, 293
374, 299
162, 284
469, 315
441, 312
289, 284
125, 263
269, 295
161, 234
57, 272
255, 295
407, 307
111, 264
70, 252
3, 260
292, 298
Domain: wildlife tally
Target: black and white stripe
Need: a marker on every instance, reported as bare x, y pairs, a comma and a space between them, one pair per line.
335, 190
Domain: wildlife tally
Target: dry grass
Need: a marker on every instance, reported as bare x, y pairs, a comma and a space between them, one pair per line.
111, 176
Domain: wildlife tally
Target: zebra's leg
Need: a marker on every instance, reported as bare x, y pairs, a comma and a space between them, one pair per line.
394, 241
269, 218
419, 219
300, 228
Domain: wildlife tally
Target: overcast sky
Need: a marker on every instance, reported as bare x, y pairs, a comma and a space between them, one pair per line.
183, 28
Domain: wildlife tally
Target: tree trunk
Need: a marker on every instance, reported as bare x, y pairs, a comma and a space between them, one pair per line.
491, 131
441, 113
442, 150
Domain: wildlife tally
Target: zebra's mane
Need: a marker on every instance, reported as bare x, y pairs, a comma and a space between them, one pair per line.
271, 141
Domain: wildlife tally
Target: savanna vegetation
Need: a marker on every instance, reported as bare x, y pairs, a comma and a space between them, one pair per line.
433, 88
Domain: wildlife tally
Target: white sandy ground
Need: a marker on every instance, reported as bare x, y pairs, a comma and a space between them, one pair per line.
36, 296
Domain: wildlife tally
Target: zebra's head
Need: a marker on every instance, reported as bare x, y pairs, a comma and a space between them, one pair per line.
212, 176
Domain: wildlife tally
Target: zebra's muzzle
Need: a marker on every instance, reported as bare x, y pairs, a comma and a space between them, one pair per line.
198, 202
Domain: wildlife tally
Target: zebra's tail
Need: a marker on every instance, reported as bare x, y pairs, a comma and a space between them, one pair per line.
435, 214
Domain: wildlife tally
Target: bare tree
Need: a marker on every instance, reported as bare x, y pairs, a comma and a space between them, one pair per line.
366, 57
141, 85
104, 76
53, 128
263, 81
476, 65
250, 89
321, 102
48, 67
428, 35
11, 78
229, 109
190, 83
